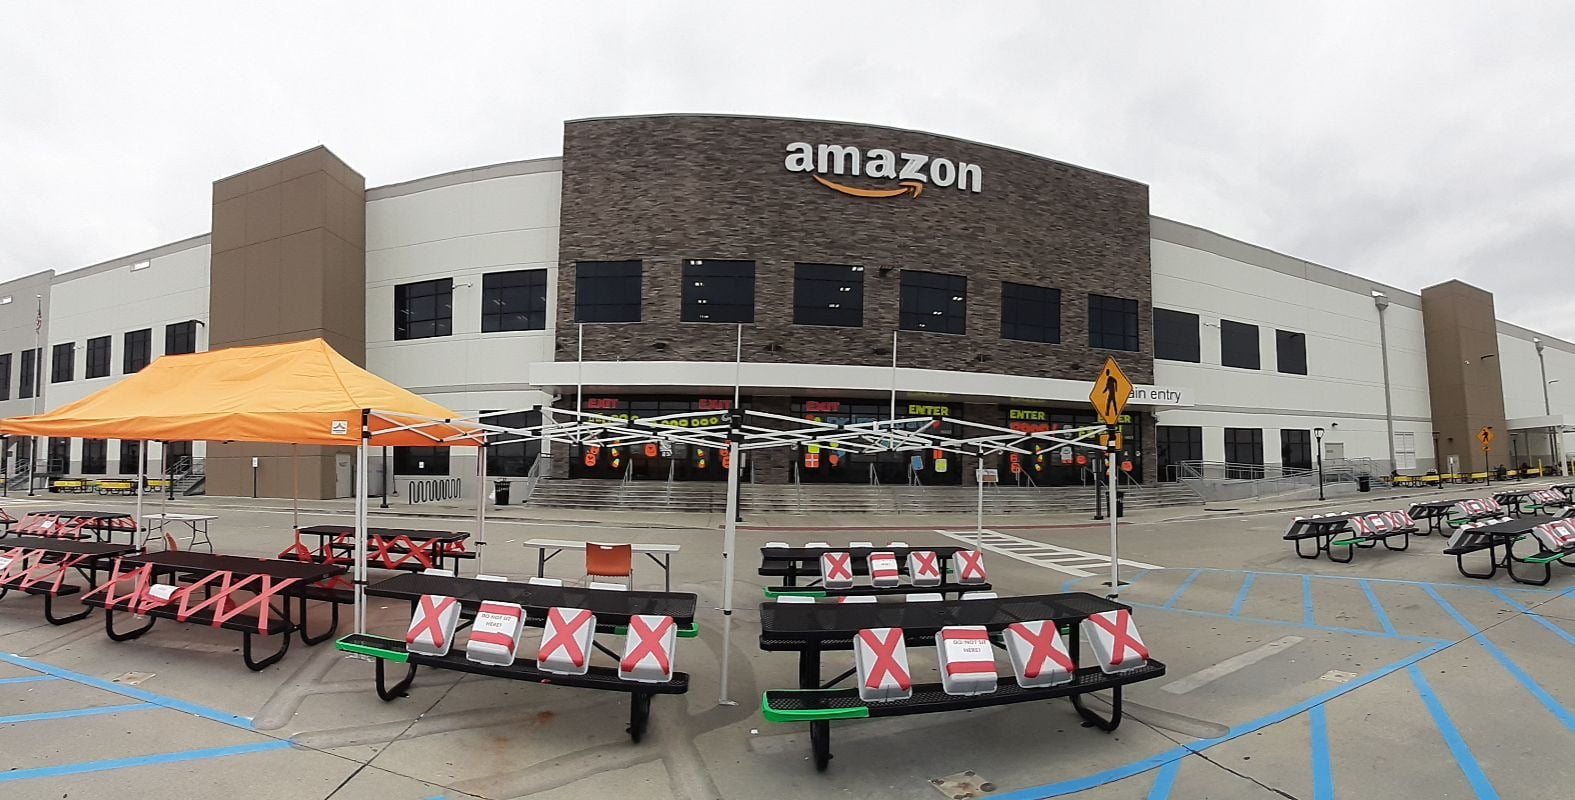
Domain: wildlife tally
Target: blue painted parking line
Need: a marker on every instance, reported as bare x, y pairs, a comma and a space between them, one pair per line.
1241, 597
1323, 774
1294, 624
1182, 589
27, 679
1307, 602
1139, 767
1164, 781
1538, 618
1452, 738
91, 711
1378, 608
128, 691
1553, 706
140, 761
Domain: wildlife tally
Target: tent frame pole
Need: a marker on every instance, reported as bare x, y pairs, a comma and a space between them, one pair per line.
481, 508
142, 477
729, 543
359, 566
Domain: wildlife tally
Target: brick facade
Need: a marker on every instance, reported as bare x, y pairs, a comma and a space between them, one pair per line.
663, 189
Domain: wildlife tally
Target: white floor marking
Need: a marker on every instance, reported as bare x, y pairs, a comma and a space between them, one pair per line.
1204, 677
1077, 563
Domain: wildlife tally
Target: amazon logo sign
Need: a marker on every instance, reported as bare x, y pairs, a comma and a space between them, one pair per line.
912, 172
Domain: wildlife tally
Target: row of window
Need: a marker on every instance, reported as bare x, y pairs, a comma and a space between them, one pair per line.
510, 301
136, 353
1243, 449
512, 460
1176, 338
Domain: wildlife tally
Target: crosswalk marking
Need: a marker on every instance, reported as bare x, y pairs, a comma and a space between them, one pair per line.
1076, 563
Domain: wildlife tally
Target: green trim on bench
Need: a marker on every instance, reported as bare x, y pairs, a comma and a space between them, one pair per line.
396, 656
771, 595
690, 631
1548, 559
808, 715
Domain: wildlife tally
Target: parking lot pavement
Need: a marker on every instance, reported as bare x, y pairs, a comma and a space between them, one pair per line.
1391, 676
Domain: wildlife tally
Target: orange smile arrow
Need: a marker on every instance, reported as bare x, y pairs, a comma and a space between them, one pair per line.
908, 187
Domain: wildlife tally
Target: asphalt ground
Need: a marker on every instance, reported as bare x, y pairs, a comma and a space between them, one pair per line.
1392, 676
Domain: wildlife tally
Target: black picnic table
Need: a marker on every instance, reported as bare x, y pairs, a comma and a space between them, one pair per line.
1567, 488
1435, 512
387, 548
1510, 500
811, 629
792, 563
39, 565
102, 524
220, 577
612, 608
1321, 530
1492, 538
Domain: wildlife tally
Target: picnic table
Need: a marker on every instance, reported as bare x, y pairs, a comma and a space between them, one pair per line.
613, 609
100, 525
1435, 512
210, 596
1321, 530
197, 523
387, 548
1493, 538
1567, 488
1511, 499
40, 566
792, 563
650, 550
811, 629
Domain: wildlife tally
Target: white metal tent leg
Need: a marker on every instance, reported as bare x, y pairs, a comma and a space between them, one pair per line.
1110, 508
481, 509
358, 569
295, 489
142, 477
978, 473
729, 541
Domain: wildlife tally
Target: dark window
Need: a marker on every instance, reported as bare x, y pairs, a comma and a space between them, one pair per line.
5, 376
1030, 313
512, 459
59, 456
62, 362
1238, 344
180, 338
1112, 322
1296, 449
1244, 452
28, 385
421, 461
718, 291
97, 357
1177, 443
95, 455
828, 294
138, 351
514, 301
177, 457
1176, 335
130, 453
607, 291
934, 302
424, 310
1291, 352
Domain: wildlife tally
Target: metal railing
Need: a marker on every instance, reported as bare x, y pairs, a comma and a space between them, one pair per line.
1225, 480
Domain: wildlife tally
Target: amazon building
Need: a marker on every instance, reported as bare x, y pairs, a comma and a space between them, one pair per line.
825, 270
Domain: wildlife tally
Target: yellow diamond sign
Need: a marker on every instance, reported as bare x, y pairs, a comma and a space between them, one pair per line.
1111, 390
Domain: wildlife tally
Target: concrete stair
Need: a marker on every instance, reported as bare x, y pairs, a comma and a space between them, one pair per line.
602, 495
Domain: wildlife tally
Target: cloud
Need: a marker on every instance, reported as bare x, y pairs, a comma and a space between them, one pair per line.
1407, 143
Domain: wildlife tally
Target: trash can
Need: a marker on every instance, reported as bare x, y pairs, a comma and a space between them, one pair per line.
500, 490
1121, 504
1364, 483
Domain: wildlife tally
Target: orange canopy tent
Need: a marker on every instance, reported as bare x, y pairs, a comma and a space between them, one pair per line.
293, 393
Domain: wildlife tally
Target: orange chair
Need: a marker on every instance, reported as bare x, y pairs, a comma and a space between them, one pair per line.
609, 561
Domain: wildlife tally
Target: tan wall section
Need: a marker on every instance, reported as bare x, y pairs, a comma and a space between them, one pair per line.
289, 263
1466, 389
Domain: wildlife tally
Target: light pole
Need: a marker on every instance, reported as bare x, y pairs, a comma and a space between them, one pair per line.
1318, 437
1381, 300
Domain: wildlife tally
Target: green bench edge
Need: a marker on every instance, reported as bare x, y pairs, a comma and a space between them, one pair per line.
690, 631
772, 595
375, 652
808, 715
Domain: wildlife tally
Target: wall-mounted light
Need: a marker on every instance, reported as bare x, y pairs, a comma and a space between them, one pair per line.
5, 301
141, 265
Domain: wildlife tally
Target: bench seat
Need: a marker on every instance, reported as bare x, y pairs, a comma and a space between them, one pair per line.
41, 588
803, 705
246, 622
821, 591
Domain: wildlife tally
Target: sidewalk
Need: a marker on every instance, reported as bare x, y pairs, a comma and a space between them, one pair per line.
674, 520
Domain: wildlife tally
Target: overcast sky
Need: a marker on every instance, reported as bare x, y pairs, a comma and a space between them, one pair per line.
1407, 142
